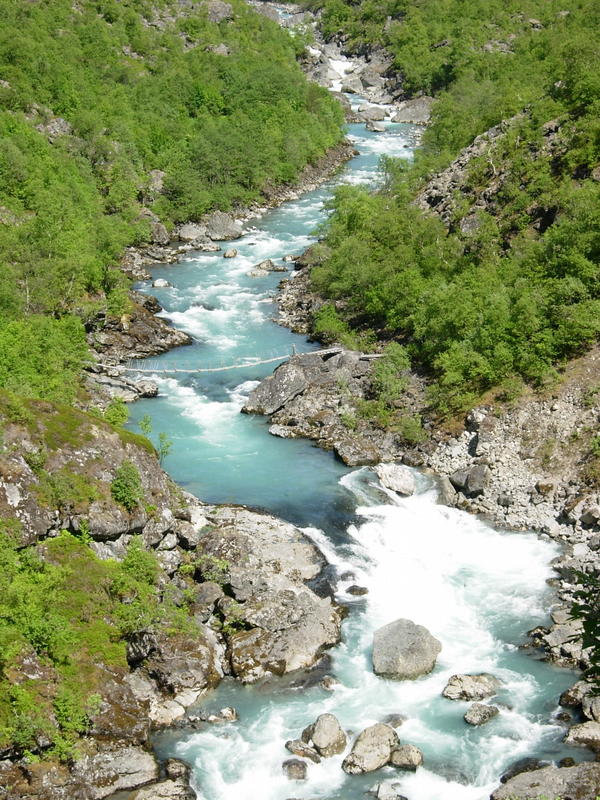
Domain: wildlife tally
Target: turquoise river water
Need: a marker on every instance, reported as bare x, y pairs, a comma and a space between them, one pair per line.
475, 588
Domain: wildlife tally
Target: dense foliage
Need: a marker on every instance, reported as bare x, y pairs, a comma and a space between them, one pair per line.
509, 295
94, 97
63, 618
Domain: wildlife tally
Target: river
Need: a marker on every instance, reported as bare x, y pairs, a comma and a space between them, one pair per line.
475, 588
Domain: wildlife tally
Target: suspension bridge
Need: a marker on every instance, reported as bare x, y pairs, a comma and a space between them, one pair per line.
131, 365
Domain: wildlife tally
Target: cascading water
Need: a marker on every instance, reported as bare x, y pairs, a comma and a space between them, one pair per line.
477, 589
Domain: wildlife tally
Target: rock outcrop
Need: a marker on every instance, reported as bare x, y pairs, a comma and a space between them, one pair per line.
580, 782
310, 395
278, 623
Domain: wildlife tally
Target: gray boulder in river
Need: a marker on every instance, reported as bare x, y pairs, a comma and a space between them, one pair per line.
480, 713
326, 735
403, 650
372, 749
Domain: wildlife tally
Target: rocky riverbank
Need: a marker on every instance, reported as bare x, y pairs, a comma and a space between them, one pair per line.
234, 586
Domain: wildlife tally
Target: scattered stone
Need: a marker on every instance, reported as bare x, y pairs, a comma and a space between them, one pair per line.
231, 252
328, 682
299, 748
357, 590
479, 714
403, 650
396, 477
326, 735
295, 769
471, 687
375, 127
395, 720
160, 283
371, 750
407, 756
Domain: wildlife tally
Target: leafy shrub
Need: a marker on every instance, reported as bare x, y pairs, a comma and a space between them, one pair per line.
126, 487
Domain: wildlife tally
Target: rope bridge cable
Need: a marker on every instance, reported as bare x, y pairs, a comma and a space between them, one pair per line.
171, 370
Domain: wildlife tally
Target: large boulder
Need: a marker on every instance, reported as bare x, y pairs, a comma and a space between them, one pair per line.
403, 650
580, 782
357, 451
185, 666
471, 482
287, 381
396, 477
471, 687
190, 232
326, 735
375, 113
372, 749
221, 226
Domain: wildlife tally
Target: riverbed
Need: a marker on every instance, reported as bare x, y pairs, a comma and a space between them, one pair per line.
477, 589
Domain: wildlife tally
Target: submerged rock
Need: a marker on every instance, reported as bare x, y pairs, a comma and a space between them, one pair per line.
403, 650
295, 769
387, 790
372, 749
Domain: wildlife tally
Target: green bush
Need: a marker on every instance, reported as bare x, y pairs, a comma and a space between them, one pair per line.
126, 487
74, 611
